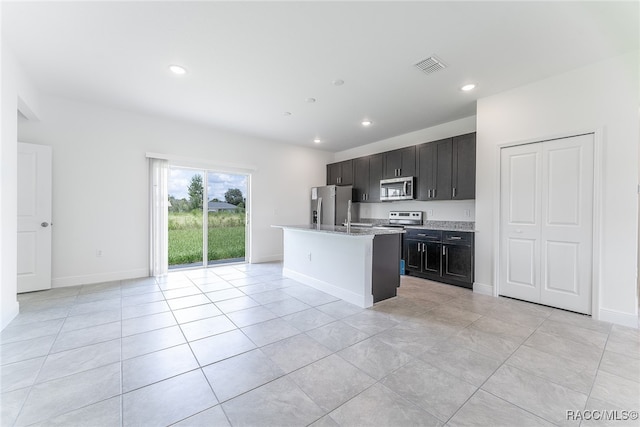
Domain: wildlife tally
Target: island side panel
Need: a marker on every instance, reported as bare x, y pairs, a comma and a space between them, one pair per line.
337, 264
386, 266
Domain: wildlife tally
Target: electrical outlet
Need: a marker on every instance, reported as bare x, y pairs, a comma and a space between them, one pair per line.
430, 213
98, 252
309, 256
467, 212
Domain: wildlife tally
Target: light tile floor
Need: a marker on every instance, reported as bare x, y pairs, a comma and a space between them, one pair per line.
243, 346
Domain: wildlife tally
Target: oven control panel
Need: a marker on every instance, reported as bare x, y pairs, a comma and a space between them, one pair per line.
406, 217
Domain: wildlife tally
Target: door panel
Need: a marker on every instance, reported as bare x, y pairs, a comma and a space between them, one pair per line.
426, 163
444, 165
520, 222
433, 259
413, 254
464, 167
457, 262
375, 175
360, 178
34, 217
561, 265
563, 188
523, 199
521, 259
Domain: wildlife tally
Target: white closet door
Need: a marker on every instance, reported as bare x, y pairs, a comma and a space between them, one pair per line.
566, 252
520, 221
546, 209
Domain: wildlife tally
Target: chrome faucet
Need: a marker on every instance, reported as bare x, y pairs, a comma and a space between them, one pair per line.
319, 222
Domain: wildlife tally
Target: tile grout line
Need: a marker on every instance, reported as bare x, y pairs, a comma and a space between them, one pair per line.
31, 387
503, 363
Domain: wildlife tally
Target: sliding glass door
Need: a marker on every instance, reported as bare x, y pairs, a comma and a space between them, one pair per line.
207, 217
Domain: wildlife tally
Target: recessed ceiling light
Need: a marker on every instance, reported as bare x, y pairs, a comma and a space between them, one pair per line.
177, 69
366, 122
338, 82
468, 87
311, 100
317, 140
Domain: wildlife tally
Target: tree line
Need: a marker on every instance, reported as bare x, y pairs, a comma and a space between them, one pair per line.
196, 193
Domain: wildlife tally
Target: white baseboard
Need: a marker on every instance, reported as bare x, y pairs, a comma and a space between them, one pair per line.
625, 319
269, 258
343, 294
483, 289
61, 282
10, 314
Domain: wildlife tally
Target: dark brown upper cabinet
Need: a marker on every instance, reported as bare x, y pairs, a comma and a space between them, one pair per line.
434, 170
447, 169
367, 172
401, 162
463, 185
340, 173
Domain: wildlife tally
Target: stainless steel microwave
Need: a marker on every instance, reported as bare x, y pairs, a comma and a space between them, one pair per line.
397, 189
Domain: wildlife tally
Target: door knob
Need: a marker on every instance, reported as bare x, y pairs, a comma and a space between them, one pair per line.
44, 224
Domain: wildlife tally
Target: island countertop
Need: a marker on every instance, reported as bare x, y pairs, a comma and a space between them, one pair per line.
341, 229
361, 267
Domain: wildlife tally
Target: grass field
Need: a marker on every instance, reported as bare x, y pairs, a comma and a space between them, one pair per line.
226, 236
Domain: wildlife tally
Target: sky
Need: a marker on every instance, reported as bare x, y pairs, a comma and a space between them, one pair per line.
218, 184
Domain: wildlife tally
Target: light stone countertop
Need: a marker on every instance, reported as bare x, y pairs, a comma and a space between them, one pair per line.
468, 226
340, 229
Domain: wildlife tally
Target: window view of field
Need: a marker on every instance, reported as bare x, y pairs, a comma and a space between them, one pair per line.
225, 217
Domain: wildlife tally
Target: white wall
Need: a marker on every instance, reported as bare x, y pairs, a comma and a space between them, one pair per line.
100, 184
442, 210
601, 96
17, 93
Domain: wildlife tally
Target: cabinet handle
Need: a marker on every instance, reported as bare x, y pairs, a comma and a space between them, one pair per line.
444, 250
454, 192
434, 193
419, 248
455, 238
429, 194
422, 235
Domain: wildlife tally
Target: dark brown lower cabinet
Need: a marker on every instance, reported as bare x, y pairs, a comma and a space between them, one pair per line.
442, 256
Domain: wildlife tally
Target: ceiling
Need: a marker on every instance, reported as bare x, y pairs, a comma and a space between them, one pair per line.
250, 62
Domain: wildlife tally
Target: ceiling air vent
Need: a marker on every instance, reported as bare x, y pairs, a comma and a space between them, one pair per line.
430, 65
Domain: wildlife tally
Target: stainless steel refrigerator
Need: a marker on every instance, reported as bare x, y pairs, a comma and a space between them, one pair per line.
333, 202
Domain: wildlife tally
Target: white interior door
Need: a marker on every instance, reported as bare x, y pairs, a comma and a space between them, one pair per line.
34, 217
546, 210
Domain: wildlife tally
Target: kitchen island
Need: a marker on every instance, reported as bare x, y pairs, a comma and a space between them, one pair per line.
360, 265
